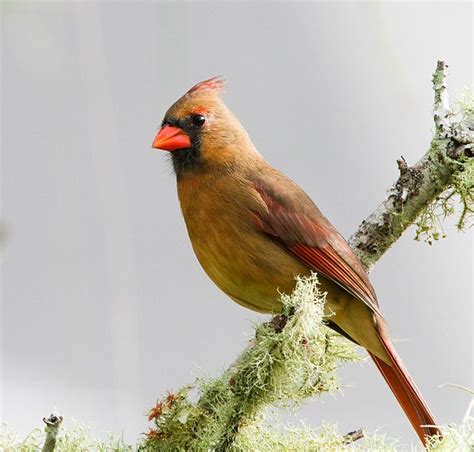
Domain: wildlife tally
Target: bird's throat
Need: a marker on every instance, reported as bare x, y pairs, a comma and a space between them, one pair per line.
186, 160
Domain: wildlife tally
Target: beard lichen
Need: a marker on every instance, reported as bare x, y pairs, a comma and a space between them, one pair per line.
257, 436
77, 437
285, 363
458, 199
282, 366
458, 196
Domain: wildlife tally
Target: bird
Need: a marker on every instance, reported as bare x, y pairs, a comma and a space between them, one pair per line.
253, 229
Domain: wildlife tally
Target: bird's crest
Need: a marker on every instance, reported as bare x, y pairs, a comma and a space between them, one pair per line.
213, 84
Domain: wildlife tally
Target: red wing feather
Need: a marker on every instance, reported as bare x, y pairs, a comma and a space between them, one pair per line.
310, 237
328, 262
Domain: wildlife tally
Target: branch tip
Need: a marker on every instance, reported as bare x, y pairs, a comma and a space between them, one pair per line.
402, 165
53, 422
441, 110
353, 436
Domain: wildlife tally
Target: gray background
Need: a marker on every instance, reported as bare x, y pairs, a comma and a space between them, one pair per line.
104, 306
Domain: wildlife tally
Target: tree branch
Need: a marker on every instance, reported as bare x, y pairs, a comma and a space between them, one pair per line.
418, 185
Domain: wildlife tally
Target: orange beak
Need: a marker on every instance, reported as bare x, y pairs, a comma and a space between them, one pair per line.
171, 138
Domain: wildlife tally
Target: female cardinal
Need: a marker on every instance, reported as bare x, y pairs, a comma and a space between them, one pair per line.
252, 229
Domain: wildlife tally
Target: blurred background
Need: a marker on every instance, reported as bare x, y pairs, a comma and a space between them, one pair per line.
104, 306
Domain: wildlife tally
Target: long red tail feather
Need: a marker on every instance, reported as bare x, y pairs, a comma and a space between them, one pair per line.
406, 392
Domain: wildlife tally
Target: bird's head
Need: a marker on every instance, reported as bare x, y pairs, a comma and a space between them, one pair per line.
201, 132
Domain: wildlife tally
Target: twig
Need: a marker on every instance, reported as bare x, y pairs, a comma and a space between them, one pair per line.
418, 185
53, 422
442, 110
353, 436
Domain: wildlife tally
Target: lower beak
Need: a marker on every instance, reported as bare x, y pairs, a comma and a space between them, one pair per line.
171, 138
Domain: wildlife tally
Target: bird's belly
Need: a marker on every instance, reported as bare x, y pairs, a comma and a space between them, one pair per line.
251, 272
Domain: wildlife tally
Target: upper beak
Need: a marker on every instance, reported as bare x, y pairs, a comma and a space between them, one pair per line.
171, 138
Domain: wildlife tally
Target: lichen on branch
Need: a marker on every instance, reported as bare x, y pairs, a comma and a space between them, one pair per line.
458, 197
431, 189
291, 358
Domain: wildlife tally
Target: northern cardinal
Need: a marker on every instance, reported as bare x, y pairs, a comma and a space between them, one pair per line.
252, 229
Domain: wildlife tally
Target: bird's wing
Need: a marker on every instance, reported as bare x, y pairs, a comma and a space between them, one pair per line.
292, 219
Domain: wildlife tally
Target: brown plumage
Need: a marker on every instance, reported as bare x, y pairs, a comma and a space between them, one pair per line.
253, 229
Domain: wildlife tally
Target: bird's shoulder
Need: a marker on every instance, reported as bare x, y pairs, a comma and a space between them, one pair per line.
285, 201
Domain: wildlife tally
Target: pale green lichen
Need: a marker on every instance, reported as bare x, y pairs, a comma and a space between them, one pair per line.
73, 439
464, 108
457, 437
9, 441
264, 434
261, 437
458, 197
284, 365
290, 359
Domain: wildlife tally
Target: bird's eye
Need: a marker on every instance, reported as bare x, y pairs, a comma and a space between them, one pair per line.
198, 120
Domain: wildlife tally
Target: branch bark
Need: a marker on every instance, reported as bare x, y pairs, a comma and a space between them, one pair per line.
418, 185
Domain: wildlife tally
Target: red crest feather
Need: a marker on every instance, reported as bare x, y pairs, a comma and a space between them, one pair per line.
214, 84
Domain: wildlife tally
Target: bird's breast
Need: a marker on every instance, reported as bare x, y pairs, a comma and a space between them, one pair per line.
243, 262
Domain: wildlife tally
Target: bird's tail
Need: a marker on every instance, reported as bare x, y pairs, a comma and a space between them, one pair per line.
406, 392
